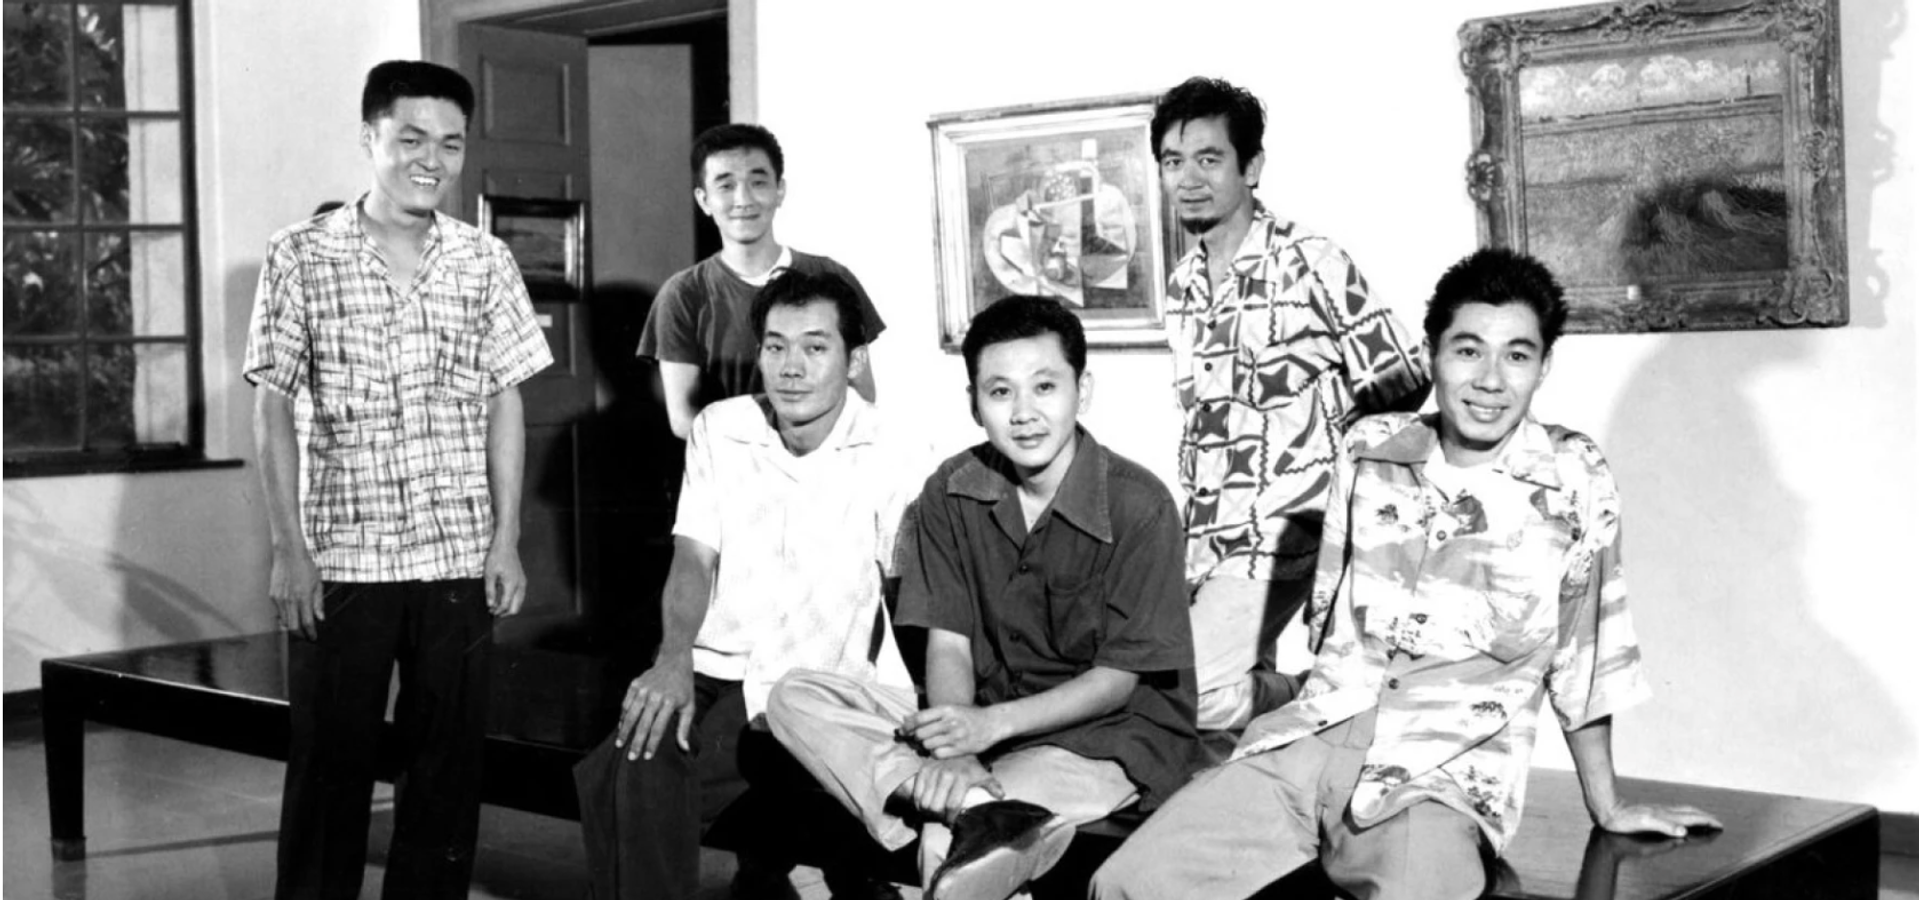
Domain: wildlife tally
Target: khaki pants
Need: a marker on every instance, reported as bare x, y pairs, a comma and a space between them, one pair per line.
1236, 626
842, 730
1238, 827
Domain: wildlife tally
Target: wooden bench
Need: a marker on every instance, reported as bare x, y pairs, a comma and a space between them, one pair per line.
550, 708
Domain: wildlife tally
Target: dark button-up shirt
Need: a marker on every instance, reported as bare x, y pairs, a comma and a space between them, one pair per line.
1096, 582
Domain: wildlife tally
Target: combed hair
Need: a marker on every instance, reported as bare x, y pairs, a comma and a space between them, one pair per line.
1023, 316
1204, 98
1498, 276
735, 136
389, 81
795, 288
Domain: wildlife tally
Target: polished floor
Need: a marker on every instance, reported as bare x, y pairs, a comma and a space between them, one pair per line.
169, 820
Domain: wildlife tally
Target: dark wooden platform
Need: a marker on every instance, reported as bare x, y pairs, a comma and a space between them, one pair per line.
550, 708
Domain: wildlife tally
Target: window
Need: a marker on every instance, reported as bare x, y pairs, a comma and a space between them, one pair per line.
102, 342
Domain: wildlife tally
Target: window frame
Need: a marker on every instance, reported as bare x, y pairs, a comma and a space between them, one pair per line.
191, 452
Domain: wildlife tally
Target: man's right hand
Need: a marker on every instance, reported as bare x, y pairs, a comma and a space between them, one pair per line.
941, 785
294, 585
652, 701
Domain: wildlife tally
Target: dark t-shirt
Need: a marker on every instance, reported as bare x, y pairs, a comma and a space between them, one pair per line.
1098, 582
703, 317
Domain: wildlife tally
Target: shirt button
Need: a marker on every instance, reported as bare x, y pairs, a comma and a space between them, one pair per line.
1024, 568
1440, 536
1392, 683
1209, 367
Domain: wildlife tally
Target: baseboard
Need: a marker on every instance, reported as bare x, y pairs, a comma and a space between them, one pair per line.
22, 704
1899, 834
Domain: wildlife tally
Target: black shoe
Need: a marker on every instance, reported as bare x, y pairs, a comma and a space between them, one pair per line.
756, 879
997, 848
852, 884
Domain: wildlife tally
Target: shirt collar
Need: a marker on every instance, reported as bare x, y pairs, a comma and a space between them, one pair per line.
987, 476
345, 235
1252, 250
858, 425
1528, 456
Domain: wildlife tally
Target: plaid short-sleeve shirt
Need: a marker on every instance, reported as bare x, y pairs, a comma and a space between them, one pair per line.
393, 389
1270, 367
1453, 601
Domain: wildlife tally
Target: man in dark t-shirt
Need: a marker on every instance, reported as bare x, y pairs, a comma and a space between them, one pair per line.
697, 330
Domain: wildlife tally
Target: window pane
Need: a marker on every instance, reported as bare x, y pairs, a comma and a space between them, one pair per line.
137, 394
43, 398
129, 57
136, 284
42, 292
36, 56
39, 170
103, 169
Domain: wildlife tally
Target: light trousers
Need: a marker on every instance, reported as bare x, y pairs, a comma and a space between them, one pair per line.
843, 730
1236, 626
1238, 827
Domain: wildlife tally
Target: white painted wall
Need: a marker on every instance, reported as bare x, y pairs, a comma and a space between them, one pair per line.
109, 561
1769, 477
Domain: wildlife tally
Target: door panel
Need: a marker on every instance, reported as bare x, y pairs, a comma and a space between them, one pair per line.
530, 140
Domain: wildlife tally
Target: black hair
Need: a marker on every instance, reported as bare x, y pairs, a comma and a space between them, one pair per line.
792, 287
397, 78
1204, 98
735, 136
1023, 316
1498, 276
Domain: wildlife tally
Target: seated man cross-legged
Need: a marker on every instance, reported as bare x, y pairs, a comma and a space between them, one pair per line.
1468, 569
1059, 682
788, 513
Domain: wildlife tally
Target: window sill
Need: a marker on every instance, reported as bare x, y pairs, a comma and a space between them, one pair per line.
112, 465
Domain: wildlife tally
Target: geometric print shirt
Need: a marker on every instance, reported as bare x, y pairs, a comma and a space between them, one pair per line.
392, 388
803, 542
1454, 601
1269, 368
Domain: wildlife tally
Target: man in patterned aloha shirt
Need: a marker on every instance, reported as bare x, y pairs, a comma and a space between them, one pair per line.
1278, 346
1470, 568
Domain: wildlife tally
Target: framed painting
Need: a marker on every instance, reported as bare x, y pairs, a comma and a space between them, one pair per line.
1678, 165
1060, 200
548, 240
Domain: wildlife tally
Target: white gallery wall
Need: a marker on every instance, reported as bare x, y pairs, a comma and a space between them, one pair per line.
1769, 476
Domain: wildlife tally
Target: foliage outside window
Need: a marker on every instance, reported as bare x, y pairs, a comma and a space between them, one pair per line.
102, 348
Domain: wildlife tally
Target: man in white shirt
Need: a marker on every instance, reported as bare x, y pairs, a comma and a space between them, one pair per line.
787, 517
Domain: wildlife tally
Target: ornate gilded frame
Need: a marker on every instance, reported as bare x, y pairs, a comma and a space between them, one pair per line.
1648, 151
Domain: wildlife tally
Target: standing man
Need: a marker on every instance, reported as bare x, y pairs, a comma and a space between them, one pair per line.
697, 329
786, 520
1278, 346
395, 511
1470, 570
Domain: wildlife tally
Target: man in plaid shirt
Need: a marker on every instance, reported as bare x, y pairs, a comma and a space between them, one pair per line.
390, 339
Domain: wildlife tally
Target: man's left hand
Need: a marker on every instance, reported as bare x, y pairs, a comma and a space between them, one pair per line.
505, 580
944, 732
1671, 820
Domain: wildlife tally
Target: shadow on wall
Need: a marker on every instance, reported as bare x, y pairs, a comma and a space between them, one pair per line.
1700, 482
1868, 31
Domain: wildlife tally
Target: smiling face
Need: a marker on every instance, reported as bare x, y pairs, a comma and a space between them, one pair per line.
1200, 172
740, 191
1487, 365
1029, 401
805, 365
418, 151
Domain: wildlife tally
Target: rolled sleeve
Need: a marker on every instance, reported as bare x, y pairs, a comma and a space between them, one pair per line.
514, 348
698, 516
1596, 667
1149, 624
672, 331
277, 346
1385, 365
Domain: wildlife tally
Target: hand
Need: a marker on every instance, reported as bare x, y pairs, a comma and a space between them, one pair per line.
1671, 820
652, 700
294, 584
941, 785
505, 580
944, 732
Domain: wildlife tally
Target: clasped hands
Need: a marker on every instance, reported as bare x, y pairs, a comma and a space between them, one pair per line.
953, 736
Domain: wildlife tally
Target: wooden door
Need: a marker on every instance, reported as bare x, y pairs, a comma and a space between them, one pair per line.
529, 139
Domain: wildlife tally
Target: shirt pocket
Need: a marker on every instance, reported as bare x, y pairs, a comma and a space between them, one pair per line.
458, 375
1280, 366
1075, 615
1520, 611
350, 374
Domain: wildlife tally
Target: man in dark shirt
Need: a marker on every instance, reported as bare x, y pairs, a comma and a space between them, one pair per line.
1059, 657
698, 329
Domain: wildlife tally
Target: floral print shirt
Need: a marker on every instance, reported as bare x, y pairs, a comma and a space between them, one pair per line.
1270, 367
1453, 600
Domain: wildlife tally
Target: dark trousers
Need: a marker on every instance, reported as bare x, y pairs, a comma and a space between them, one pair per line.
440, 633
643, 818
